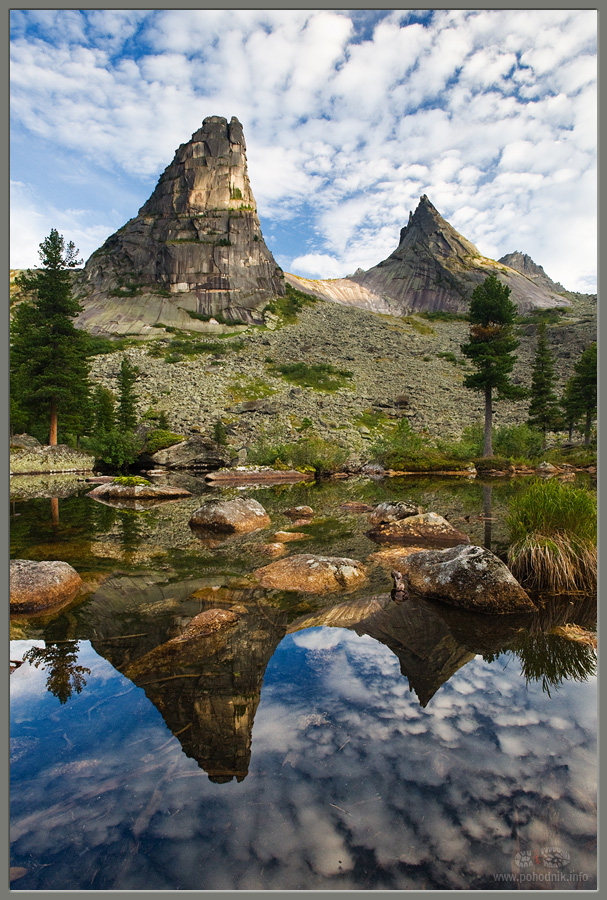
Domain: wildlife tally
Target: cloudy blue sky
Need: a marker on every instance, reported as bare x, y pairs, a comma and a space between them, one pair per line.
349, 116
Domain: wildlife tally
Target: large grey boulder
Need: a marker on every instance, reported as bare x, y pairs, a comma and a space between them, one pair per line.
312, 574
197, 453
229, 516
36, 586
467, 576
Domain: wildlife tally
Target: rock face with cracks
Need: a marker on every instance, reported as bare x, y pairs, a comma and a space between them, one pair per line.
436, 268
230, 516
312, 574
470, 577
43, 585
193, 251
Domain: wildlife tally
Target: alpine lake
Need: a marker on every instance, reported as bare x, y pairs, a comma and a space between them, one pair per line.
341, 742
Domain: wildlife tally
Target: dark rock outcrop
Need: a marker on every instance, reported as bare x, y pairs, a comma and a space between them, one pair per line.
312, 574
197, 453
195, 248
470, 577
230, 516
435, 268
36, 586
523, 263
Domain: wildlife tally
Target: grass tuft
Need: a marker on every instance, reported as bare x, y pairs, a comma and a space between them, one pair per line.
553, 534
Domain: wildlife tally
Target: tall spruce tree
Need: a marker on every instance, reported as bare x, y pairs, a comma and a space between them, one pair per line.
48, 358
585, 386
491, 348
571, 404
126, 415
544, 408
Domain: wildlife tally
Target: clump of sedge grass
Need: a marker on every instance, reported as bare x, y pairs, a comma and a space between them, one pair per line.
553, 533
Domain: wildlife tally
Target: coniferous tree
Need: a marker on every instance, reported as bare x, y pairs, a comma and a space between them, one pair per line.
491, 348
126, 415
48, 361
572, 406
585, 382
544, 411
105, 410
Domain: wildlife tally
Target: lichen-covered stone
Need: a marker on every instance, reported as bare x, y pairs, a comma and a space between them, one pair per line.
240, 515
428, 528
36, 586
312, 574
393, 511
467, 576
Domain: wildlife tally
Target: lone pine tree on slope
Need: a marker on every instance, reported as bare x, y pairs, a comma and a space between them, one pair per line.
544, 409
48, 361
491, 348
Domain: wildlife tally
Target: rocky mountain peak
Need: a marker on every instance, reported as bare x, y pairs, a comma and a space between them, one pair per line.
194, 251
436, 268
427, 227
523, 263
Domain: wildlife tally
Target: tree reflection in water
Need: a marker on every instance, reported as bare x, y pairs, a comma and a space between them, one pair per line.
60, 660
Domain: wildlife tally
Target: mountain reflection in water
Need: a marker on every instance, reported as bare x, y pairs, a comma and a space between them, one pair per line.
351, 743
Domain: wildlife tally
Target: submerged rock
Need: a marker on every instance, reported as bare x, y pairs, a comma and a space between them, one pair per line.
470, 577
240, 515
312, 574
41, 585
393, 511
428, 528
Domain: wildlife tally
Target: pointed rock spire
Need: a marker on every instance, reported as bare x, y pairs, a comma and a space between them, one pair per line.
194, 250
436, 268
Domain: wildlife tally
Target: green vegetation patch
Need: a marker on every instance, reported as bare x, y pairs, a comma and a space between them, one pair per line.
219, 318
243, 388
131, 481
185, 347
288, 307
417, 325
308, 454
319, 376
553, 533
160, 439
543, 316
443, 315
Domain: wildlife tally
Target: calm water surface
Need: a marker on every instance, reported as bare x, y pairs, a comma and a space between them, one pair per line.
342, 742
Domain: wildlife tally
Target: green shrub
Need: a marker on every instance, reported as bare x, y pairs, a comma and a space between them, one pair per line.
307, 454
319, 377
553, 534
405, 450
160, 439
117, 449
518, 442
